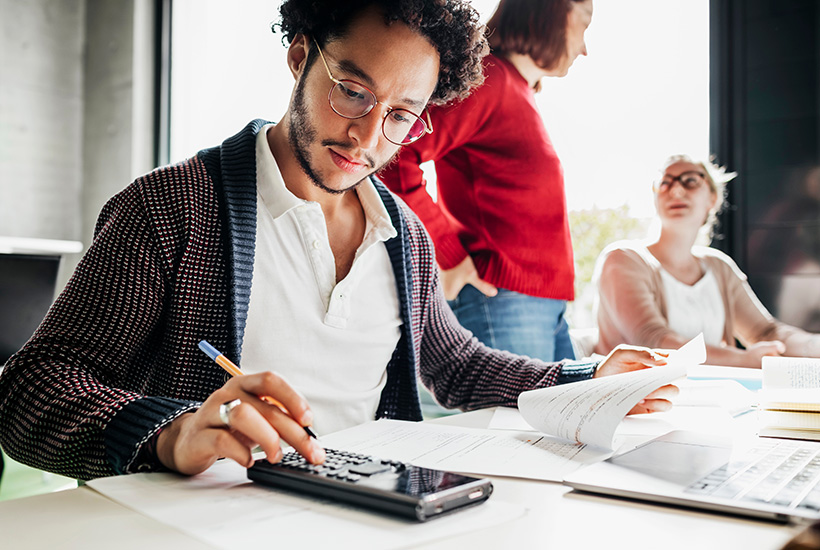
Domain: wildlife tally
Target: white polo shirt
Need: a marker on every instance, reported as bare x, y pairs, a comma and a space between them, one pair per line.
331, 341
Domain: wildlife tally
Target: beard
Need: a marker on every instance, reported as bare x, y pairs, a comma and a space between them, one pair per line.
302, 134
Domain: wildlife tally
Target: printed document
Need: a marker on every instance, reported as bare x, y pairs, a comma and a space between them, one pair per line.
523, 454
221, 507
590, 411
577, 422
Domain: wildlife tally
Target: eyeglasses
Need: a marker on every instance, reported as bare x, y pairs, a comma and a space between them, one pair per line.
688, 180
349, 99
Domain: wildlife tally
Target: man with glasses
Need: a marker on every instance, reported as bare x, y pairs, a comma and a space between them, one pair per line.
349, 99
281, 250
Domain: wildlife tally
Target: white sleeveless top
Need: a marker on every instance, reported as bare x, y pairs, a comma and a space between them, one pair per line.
692, 309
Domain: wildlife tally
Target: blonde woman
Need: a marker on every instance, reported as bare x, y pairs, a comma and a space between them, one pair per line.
662, 293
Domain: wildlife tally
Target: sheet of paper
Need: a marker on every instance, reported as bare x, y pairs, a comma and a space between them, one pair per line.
729, 395
590, 411
697, 419
700, 418
223, 508
507, 418
790, 372
637, 429
741, 374
525, 454
689, 355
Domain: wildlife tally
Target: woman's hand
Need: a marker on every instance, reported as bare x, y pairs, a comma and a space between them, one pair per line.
453, 280
631, 358
757, 351
194, 441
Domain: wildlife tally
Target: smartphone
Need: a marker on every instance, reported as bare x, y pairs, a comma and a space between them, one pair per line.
384, 485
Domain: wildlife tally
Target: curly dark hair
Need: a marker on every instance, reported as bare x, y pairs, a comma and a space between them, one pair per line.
451, 26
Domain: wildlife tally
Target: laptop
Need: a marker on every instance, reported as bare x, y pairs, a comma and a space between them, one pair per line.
777, 479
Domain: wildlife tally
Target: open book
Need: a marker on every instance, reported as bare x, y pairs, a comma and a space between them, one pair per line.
590, 411
790, 399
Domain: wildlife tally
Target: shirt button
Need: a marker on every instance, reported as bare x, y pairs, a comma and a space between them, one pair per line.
316, 244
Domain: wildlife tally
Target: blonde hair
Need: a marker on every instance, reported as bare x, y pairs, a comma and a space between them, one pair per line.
716, 176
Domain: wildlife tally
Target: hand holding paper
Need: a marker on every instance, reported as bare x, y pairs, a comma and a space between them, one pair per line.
590, 411
625, 359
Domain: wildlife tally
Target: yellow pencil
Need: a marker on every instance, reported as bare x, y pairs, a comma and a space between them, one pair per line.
233, 370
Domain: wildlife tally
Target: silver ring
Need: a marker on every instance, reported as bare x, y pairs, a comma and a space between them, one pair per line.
225, 411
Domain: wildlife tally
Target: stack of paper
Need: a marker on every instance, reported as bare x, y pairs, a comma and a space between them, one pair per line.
790, 399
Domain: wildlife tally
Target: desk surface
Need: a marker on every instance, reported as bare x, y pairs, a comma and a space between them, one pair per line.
556, 518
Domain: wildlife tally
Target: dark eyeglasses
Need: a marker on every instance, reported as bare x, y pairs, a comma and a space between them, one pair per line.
349, 99
688, 180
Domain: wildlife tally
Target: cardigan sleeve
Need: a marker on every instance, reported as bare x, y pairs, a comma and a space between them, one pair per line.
460, 371
752, 321
629, 309
60, 393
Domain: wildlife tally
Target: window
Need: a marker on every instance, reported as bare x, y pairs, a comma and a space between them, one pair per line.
227, 68
641, 95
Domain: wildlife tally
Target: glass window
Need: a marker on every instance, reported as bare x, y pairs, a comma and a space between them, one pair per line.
227, 68
641, 95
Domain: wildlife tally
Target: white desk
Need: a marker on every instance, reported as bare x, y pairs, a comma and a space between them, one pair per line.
557, 519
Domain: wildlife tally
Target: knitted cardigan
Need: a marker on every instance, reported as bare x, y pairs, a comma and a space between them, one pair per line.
631, 303
116, 357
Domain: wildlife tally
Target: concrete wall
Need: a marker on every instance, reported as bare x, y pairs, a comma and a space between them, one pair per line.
76, 122
41, 118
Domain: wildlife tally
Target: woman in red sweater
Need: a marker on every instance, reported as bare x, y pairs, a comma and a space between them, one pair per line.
500, 223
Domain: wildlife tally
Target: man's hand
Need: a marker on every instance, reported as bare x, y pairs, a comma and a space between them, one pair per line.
453, 280
630, 358
194, 441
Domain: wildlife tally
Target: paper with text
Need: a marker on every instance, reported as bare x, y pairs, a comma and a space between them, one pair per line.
524, 454
221, 507
638, 429
590, 411
790, 384
791, 373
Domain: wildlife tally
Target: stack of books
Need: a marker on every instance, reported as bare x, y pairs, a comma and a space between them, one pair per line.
789, 404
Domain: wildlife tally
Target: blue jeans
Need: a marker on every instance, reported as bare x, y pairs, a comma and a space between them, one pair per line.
521, 324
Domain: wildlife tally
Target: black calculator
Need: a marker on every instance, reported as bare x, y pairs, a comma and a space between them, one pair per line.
384, 485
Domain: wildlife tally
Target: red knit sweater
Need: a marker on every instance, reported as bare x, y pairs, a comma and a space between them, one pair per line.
500, 188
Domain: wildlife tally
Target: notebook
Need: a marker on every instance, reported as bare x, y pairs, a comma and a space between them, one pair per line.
777, 479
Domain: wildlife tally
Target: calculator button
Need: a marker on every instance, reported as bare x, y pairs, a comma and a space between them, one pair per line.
369, 468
